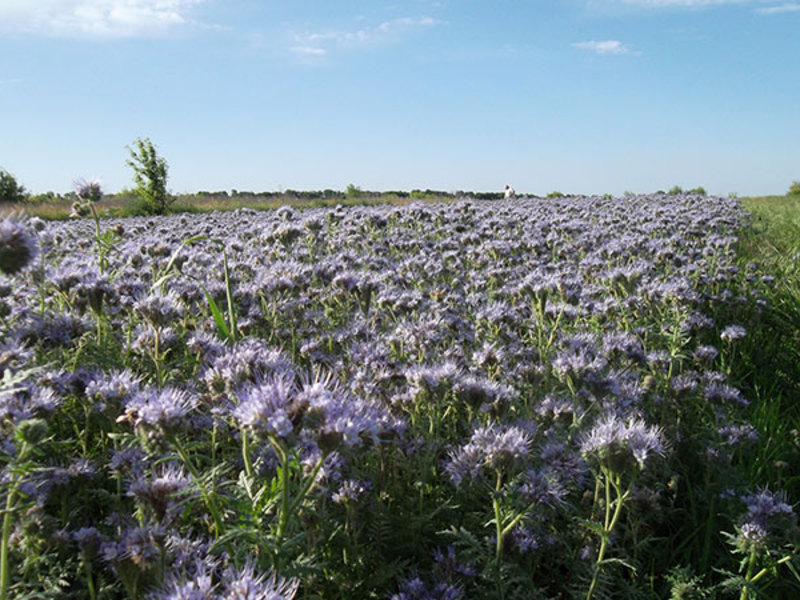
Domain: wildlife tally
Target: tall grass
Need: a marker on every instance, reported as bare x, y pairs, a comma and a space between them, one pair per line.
771, 365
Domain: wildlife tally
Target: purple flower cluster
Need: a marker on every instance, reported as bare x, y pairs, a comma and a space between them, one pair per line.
494, 448
164, 409
244, 583
618, 443
316, 410
765, 507
519, 345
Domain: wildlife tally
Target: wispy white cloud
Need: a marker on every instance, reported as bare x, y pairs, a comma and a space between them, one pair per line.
782, 8
765, 7
321, 43
308, 50
686, 3
762, 6
603, 47
95, 18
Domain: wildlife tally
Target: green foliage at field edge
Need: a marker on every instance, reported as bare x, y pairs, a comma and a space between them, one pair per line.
770, 371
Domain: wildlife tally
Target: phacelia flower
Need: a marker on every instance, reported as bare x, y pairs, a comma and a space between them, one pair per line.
246, 584
733, 333
163, 409
616, 443
266, 407
17, 247
765, 506
88, 190
491, 446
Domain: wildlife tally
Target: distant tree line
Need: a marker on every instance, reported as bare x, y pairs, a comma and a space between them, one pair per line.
245, 195
151, 196
352, 191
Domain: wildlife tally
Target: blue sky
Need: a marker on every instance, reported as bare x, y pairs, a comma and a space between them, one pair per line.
580, 96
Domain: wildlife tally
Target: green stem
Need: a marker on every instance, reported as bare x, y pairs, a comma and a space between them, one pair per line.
87, 565
8, 514
498, 520
609, 521
101, 262
308, 485
248, 465
209, 501
156, 353
748, 578
4, 571
553, 331
229, 298
283, 459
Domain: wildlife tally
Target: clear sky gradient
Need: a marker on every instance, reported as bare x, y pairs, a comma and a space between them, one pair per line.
579, 96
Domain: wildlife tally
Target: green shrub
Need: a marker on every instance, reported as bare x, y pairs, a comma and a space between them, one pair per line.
150, 175
10, 190
353, 191
794, 189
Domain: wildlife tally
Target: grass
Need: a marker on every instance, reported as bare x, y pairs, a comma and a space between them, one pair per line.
775, 232
125, 206
772, 372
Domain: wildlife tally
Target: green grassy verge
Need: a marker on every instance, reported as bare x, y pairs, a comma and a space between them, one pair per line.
770, 370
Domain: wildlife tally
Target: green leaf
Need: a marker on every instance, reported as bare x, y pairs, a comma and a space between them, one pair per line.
222, 327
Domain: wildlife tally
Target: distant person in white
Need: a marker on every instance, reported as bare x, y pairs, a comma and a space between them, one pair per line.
508, 192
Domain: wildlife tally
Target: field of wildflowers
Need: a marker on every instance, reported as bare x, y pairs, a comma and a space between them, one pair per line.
524, 399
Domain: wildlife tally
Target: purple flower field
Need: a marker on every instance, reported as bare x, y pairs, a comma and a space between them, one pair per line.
511, 399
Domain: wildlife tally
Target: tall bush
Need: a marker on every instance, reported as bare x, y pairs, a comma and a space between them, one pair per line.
10, 190
150, 175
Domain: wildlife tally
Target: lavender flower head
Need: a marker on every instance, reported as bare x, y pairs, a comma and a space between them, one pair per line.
332, 417
88, 190
188, 586
768, 516
245, 584
266, 407
619, 445
248, 361
18, 247
112, 387
416, 589
350, 491
750, 536
764, 507
160, 308
706, 354
198, 588
197, 583
495, 447
733, 333
159, 493
162, 409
